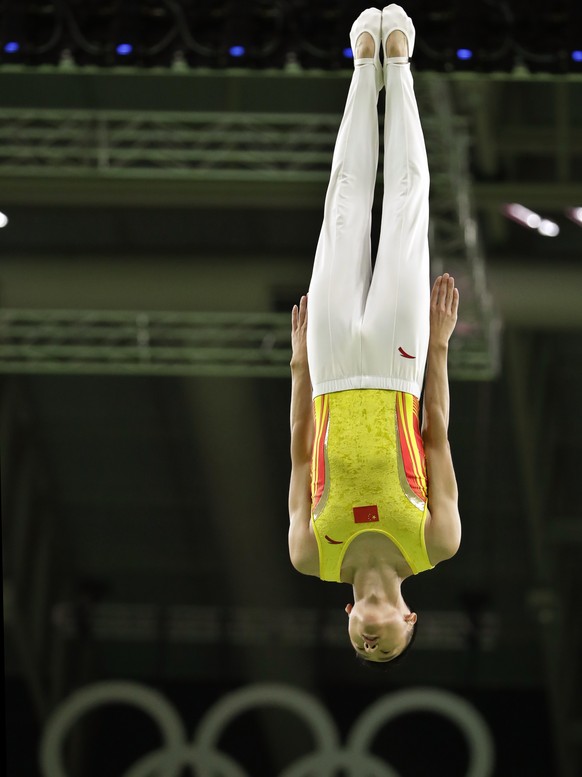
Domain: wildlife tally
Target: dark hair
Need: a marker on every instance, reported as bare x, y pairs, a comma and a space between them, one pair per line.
385, 665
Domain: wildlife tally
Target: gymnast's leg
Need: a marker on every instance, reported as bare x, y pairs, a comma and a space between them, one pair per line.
342, 266
396, 321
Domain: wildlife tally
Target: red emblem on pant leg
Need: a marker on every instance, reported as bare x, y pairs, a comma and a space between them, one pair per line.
367, 514
402, 352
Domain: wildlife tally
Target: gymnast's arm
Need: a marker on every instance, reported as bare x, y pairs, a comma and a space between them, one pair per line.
302, 544
443, 531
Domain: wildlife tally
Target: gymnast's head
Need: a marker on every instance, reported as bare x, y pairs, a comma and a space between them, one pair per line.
380, 632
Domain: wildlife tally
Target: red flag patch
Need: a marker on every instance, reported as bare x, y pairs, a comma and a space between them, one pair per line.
367, 514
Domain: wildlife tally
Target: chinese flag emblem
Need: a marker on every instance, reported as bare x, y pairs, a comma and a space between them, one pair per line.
367, 514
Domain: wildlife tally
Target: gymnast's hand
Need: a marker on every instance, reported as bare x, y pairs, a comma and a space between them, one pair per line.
299, 335
444, 304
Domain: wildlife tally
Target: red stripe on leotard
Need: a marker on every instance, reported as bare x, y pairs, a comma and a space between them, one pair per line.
321, 412
411, 445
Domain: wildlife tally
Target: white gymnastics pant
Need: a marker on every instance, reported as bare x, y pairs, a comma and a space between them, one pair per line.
371, 330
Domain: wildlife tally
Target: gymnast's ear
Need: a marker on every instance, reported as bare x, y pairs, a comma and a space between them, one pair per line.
349, 608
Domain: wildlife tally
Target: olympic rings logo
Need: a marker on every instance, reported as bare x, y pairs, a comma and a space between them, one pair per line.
205, 760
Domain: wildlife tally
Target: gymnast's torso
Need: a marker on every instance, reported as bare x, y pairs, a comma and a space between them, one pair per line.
368, 480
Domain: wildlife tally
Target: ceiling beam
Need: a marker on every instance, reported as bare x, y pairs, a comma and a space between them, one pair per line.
541, 296
143, 191
309, 193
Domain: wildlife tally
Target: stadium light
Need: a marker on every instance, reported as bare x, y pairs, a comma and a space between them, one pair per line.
575, 215
548, 228
530, 219
522, 215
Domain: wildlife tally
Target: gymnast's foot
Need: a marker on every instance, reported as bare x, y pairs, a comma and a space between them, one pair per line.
398, 32
396, 45
365, 47
366, 42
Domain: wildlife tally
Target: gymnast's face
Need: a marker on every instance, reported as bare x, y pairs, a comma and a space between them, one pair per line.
379, 631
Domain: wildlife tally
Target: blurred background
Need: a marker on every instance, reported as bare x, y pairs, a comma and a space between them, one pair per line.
163, 166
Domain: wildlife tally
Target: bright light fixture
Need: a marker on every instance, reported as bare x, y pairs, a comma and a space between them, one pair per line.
533, 221
528, 218
3, 220
575, 214
548, 228
522, 215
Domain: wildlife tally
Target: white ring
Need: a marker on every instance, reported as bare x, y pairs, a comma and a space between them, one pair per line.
359, 764
301, 703
167, 761
326, 758
449, 705
66, 714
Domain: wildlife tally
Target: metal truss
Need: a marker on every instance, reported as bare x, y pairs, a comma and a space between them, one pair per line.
200, 34
202, 146
454, 235
154, 343
104, 342
246, 148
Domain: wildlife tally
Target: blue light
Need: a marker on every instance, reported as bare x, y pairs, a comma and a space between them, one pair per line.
237, 51
577, 56
124, 49
464, 54
12, 47
348, 53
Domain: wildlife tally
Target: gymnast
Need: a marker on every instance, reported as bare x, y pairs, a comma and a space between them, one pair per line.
373, 497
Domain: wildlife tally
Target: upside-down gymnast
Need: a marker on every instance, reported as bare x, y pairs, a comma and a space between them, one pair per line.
372, 499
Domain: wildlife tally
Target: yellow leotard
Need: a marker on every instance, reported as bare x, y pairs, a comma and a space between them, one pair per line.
368, 473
